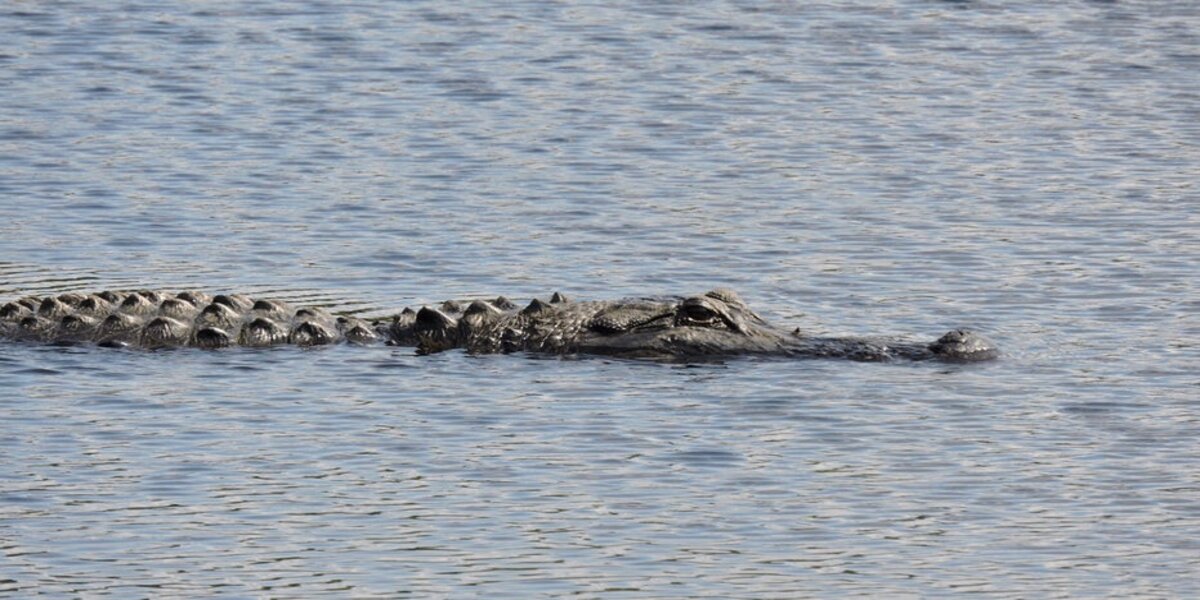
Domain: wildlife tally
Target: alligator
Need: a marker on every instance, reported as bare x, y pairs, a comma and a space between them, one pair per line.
711, 325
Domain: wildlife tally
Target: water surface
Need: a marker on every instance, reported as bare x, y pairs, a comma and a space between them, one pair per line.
900, 167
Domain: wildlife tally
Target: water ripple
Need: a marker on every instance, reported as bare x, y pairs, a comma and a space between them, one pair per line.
904, 167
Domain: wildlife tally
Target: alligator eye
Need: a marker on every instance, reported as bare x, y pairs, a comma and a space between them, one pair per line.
700, 314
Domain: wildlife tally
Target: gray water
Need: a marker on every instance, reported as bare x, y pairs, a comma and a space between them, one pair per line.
894, 167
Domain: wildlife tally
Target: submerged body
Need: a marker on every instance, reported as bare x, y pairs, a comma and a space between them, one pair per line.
711, 325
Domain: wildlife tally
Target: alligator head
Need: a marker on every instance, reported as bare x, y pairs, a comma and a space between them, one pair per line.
717, 323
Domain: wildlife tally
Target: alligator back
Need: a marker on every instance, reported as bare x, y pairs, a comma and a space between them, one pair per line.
154, 319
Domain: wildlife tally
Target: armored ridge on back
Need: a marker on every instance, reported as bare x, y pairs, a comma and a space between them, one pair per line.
711, 325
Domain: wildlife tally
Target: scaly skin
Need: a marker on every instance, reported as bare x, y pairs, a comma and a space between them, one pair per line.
151, 319
712, 325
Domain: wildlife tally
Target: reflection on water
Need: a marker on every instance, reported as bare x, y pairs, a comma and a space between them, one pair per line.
899, 168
